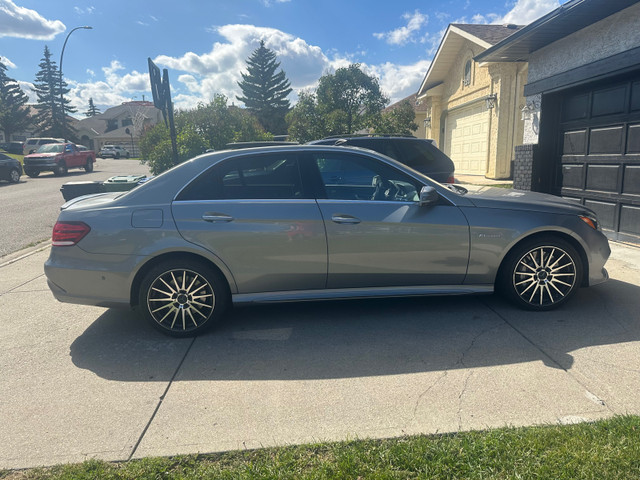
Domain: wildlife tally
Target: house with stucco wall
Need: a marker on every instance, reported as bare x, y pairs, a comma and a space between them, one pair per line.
122, 125
473, 110
581, 110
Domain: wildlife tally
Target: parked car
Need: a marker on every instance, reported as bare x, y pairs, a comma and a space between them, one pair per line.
12, 147
113, 151
420, 154
33, 144
10, 169
264, 225
58, 158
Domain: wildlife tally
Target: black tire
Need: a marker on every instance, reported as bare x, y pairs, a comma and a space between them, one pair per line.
166, 297
116, 156
541, 274
14, 175
127, 155
89, 166
61, 169
32, 173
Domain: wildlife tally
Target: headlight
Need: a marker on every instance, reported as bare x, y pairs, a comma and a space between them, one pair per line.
590, 220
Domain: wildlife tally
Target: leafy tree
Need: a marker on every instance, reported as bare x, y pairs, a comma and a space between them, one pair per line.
14, 116
397, 121
213, 125
93, 110
264, 92
344, 102
52, 106
305, 121
351, 98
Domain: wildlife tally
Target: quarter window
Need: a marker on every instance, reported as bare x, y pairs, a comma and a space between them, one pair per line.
272, 176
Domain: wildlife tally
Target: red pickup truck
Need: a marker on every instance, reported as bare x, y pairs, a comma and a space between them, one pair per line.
59, 158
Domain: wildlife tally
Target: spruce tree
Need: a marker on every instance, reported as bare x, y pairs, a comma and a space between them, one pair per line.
14, 115
93, 110
264, 92
51, 107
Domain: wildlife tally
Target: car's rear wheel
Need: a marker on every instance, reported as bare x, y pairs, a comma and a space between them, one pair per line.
183, 298
542, 274
61, 169
89, 166
14, 175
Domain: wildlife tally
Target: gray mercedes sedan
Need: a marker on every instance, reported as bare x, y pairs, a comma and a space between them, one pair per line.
281, 224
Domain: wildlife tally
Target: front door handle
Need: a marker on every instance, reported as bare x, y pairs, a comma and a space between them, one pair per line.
216, 217
346, 219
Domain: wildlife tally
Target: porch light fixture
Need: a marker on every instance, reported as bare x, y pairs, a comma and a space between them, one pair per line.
529, 109
490, 101
427, 122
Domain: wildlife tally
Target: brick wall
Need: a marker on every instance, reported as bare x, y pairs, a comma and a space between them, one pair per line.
523, 178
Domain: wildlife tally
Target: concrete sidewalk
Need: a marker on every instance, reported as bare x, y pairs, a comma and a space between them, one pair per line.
81, 382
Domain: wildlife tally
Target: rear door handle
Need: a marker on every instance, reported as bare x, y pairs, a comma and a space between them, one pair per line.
217, 217
345, 219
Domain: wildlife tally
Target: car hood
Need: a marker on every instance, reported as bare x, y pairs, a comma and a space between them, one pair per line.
42, 155
491, 197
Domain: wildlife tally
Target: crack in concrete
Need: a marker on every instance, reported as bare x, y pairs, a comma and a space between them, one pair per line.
552, 361
21, 285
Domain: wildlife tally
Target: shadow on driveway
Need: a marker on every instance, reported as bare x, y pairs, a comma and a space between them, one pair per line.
345, 339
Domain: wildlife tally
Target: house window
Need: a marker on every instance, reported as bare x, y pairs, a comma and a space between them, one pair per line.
126, 122
112, 124
466, 81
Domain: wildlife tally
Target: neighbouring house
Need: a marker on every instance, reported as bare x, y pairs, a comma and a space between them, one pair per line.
472, 111
419, 109
32, 131
122, 125
582, 108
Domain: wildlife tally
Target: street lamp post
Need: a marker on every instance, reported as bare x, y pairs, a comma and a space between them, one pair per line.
64, 120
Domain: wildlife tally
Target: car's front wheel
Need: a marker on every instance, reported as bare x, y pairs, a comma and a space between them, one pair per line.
542, 274
14, 175
32, 173
61, 169
183, 298
89, 166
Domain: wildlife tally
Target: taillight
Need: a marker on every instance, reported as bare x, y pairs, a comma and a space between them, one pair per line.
451, 179
66, 234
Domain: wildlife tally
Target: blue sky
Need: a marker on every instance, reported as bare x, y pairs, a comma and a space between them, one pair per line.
205, 44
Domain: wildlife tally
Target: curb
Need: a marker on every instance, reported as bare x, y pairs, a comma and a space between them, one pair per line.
27, 252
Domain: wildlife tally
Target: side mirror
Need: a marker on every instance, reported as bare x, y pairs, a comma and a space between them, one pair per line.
428, 196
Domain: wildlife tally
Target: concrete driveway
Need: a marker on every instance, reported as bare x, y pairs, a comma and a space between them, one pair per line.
82, 382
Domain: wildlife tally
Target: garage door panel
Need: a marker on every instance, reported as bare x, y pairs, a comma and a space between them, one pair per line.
603, 178
606, 141
575, 143
633, 139
630, 220
573, 176
605, 211
631, 184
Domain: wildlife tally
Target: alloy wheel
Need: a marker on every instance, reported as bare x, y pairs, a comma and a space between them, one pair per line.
180, 300
544, 276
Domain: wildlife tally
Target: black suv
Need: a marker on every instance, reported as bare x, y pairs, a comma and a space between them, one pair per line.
419, 154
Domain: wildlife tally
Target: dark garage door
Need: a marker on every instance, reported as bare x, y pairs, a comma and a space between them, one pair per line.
600, 154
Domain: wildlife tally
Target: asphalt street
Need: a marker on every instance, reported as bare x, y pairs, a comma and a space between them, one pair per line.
30, 207
82, 382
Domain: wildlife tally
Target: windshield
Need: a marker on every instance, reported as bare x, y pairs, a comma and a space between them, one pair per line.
51, 148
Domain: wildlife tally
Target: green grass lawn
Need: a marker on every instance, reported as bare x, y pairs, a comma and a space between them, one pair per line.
607, 449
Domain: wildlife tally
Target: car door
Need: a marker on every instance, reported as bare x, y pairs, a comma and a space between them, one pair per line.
377, 233
253, 212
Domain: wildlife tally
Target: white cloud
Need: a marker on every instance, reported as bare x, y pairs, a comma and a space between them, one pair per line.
218, 71
526, 11
7, 63
268, 3
22, 22
84, 11
406, 34
399, 81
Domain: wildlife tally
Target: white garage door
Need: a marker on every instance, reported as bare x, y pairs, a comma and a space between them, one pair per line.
466, 135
